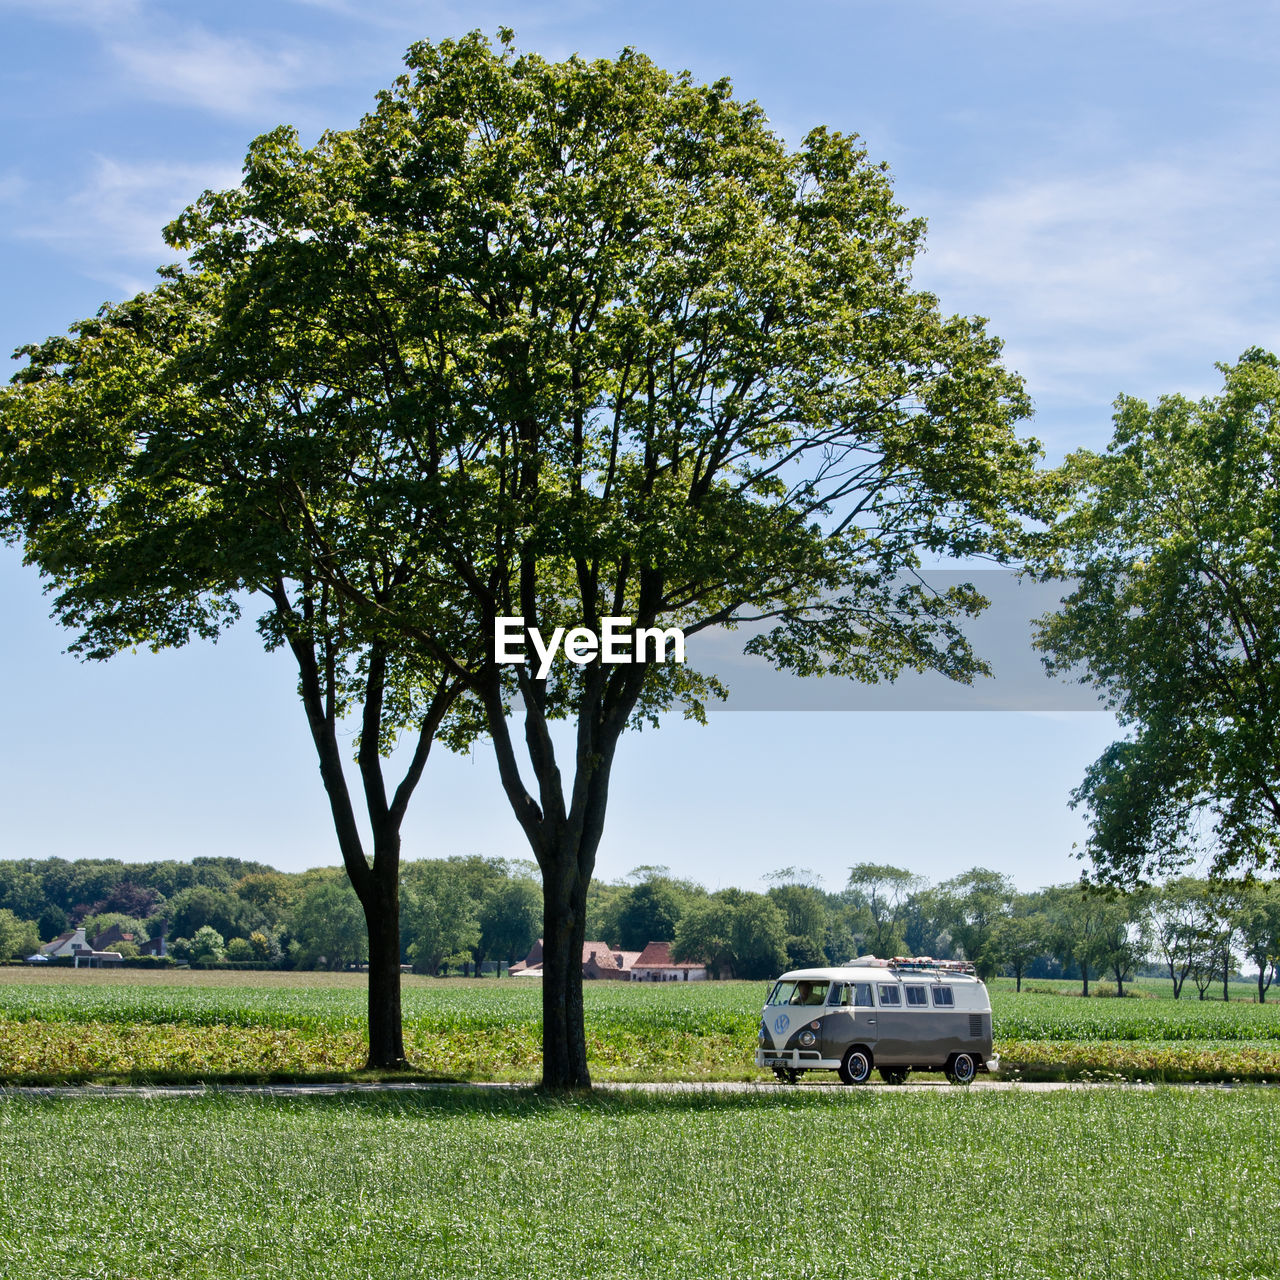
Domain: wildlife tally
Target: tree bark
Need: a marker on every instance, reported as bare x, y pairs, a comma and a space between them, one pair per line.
376, 881
564, 838
386, 1035
564, 1042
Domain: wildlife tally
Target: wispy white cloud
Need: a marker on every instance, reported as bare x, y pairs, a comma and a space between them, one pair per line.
1099, 278
226, 75
161, 56
85, 13
12, 187
112, 225
428, 17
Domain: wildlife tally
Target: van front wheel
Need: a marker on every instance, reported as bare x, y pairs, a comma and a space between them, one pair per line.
855, 1067
962, 1068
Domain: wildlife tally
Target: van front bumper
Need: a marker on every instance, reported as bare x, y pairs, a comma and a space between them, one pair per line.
795, 1059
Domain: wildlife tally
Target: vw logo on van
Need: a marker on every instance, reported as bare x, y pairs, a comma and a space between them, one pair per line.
781, 1023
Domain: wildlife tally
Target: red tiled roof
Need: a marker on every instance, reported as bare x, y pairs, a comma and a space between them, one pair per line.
606, 956
657, 955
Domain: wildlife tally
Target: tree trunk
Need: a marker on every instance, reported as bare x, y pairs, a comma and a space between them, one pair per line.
1084, 974
1262, 990
386, 1036
376, 885
564, 1042
1226, 962
564, 834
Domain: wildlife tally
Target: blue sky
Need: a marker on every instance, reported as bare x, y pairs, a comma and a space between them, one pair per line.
1100, 180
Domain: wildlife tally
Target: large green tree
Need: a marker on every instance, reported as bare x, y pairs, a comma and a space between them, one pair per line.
1259, 920
163, 481
574, 340
1174, 538
881, 893
18, 938
736, 934
795, 892
328, 926
972, 907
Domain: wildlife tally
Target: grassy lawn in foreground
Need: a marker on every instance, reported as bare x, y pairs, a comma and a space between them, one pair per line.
1105, 1185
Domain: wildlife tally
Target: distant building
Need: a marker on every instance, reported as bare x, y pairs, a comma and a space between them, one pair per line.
609, 964
73, 943
156, 946
654, 964
66, 944
110, 936
599, 961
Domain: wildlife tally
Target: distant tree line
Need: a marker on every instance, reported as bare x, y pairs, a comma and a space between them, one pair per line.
459, 912
1187, 929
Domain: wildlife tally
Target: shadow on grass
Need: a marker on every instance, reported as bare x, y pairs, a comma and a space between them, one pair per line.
448, 1098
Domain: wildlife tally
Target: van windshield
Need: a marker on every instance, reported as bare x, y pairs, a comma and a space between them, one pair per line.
803, 991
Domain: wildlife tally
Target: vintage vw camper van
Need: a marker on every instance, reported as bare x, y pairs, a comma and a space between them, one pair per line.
897, 1015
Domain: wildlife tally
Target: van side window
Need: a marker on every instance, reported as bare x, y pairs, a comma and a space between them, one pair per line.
916, 995
889, 995
808, 992
943, 998
841, 993
862, 995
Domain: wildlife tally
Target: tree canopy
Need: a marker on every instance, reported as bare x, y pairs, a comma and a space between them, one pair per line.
551, 340
1174, 539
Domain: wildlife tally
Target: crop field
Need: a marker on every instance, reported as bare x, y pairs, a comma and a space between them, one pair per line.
1098, 1185
235, 1024
136, 1024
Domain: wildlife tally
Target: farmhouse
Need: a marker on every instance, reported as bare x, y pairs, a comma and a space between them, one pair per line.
66, 944
111, 935
73, 943
599, 961
654, 964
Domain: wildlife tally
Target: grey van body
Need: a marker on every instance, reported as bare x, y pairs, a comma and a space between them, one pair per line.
899, 1016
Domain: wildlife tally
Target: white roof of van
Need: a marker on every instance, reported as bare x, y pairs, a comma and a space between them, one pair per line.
875, 973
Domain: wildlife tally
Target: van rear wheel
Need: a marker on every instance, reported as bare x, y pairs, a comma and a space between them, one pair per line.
894, 1075
855, 1066
962, 1068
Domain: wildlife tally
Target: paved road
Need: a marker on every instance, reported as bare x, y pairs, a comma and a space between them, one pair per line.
719, 1086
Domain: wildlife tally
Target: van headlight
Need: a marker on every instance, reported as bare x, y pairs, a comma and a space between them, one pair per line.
807, 1038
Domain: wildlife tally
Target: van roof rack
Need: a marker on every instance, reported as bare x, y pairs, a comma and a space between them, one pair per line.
916, 964
913, 963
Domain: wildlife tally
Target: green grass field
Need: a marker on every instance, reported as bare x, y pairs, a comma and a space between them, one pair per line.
179, 1025
1101, 1185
